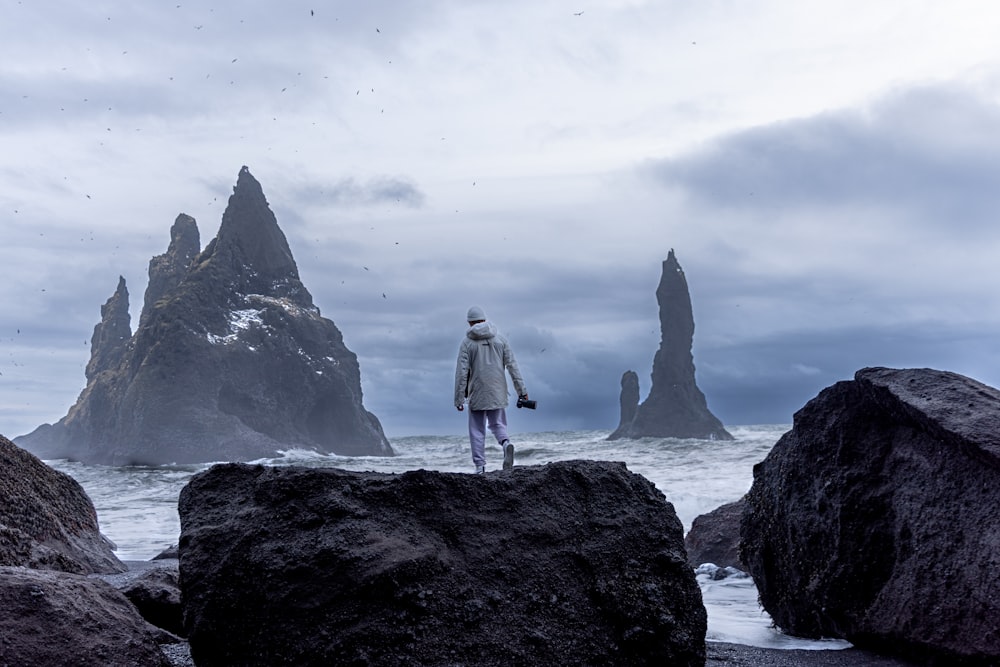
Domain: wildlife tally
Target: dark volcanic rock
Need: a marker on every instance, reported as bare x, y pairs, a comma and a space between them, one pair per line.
675, 407
156, 594
715, 537
47, 522
232, 360
628, 400
111, 336
54, 618
166, 271
877, 517
569, 563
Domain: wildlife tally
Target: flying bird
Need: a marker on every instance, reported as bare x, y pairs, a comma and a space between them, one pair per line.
577, 13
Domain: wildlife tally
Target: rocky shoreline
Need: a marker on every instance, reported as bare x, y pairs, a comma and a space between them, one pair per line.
874, 520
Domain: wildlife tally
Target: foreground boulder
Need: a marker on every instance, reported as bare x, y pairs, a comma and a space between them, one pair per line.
47, 521
876, 519
55, 618
232, 360
675, 407
574, 562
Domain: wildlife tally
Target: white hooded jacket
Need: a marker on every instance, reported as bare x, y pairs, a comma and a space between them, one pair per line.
483, 357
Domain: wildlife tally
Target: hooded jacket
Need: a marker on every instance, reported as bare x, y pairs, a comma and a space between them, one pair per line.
483, 357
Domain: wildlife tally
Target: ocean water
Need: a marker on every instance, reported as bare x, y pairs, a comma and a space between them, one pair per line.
137, 506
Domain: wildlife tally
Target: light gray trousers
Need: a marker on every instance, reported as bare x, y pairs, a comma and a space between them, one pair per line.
478, 420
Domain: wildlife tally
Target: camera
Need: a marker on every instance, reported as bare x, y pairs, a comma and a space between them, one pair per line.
526, 403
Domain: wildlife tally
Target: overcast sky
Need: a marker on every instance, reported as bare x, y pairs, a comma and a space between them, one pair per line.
828, 174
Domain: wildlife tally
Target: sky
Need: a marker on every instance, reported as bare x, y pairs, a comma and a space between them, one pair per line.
827, 173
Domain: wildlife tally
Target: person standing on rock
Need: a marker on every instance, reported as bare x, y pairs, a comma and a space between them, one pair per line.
483, 358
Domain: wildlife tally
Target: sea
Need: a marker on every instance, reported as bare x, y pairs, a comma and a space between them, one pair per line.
137, 505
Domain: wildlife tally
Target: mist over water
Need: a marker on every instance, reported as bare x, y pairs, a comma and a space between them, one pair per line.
137, 506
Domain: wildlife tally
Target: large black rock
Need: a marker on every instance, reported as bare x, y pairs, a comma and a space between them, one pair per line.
568, 563
675, 407
55, 618
47, 521
231, 360
876, 519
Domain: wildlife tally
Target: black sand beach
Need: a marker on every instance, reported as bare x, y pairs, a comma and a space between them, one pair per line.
738, 655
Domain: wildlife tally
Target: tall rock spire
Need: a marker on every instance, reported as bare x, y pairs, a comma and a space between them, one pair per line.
253, 246
232, 361
167, 270
112, 334
675, 407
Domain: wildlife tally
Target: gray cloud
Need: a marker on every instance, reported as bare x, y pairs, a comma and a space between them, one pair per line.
932, 153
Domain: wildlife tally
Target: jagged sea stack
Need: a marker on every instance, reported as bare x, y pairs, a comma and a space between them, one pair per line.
231, 360
675, 407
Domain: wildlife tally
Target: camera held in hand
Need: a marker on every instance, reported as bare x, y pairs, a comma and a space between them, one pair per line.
526, 403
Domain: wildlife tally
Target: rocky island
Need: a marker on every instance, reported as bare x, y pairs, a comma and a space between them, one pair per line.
675, 407
231, 360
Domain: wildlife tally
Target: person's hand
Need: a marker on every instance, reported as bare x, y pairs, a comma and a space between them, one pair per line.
524, 396
460, 407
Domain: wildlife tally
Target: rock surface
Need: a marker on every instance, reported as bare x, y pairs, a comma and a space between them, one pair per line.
675, 407
231, 361
153, 586
112, 334
168, 270
55, 618
876, 519
47, 521
156, 594
628, 401
715, 537
573, 562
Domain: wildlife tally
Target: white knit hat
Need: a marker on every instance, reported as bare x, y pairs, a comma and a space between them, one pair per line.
475, 314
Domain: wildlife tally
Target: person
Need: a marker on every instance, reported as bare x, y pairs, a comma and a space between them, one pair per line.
480, 379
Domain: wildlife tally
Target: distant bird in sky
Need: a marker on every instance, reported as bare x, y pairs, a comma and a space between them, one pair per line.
577, 13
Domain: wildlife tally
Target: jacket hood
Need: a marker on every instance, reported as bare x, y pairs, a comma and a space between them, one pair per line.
481, 331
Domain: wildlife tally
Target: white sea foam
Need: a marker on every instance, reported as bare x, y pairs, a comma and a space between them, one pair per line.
137, 506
